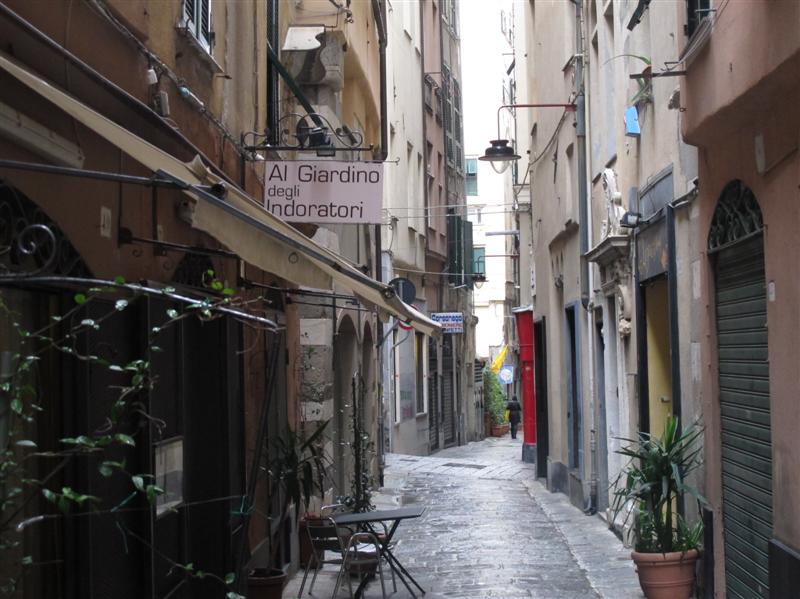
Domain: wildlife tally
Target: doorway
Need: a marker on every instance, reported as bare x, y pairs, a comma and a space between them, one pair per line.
736, 243
540, 389
573, 380
601, 442
659, 362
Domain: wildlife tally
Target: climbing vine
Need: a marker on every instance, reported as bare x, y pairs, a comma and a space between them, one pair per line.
29, 473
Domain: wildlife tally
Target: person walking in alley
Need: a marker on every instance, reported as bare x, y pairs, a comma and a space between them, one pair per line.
514, 411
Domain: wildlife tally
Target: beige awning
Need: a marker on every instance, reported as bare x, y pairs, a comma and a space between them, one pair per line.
237, 221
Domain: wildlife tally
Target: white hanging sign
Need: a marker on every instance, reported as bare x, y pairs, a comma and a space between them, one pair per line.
324, 191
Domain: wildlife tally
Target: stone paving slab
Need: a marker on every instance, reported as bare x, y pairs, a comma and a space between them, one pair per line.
491, 530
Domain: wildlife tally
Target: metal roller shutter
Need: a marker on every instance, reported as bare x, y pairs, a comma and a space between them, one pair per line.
433, 395
745, 417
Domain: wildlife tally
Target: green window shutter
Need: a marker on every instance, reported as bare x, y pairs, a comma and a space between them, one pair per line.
469, 255
452, 239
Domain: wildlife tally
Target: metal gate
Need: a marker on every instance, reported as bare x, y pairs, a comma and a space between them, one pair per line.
433, 395
741, 319
448, 396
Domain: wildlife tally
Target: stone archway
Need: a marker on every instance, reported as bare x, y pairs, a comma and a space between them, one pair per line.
736, 245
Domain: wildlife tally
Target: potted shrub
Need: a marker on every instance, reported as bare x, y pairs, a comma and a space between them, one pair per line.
494, 403
296, 469
649, 485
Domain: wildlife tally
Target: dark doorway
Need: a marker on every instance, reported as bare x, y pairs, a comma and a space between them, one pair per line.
540, 386
574, 415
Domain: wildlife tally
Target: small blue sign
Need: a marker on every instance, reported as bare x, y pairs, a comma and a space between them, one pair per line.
632, 128
506, 374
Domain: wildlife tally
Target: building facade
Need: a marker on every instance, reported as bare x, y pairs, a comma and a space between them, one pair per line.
431, 402
132, 152
738, 103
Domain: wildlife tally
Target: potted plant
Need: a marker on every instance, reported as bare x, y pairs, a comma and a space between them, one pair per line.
649, 485
296, 469
494, 403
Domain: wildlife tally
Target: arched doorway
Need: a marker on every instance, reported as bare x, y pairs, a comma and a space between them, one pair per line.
345, 347
736, 245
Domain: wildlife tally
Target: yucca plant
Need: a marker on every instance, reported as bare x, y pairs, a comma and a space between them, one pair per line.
653, 479
296, 471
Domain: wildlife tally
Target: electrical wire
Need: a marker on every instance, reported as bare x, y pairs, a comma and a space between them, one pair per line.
99, 7
550, 141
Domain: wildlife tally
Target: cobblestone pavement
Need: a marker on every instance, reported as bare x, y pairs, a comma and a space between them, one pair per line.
491, 530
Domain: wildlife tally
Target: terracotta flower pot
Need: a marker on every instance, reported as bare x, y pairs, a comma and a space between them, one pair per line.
666, 575
499, 430
263, 584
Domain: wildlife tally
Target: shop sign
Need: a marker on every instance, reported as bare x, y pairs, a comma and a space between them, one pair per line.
324, 191
452, 322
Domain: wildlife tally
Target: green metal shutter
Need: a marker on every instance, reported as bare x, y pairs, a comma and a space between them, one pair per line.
745, 417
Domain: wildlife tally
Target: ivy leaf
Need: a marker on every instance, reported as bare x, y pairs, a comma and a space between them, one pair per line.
63, 504
27, 560
172, 313
152, 492
88, 322
230, 578
125, 439
138, 482
232, 595
16, 406
228, 291
119, 280
78, 498
80, 298
49, 495
116, 368
121, 304
25, 443
105, 469
217, 285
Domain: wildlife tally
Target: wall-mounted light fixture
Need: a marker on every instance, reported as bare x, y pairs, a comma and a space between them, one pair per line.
500, 153
630, 220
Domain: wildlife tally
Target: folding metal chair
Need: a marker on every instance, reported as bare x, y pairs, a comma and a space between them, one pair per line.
324, 536
363, 552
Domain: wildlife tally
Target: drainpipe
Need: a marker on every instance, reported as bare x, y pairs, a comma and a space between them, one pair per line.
585, 226
379, 14
273, 92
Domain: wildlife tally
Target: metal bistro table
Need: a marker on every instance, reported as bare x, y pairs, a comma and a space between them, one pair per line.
366, 519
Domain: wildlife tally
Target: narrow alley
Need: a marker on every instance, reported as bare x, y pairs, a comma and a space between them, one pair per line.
490, 529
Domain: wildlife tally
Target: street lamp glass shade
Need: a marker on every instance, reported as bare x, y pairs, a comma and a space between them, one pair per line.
500, 166
499, 152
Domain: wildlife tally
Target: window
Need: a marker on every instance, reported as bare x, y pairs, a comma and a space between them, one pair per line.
696, 11
479, 263
450, 15
471, 183
428, 93
197, 21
